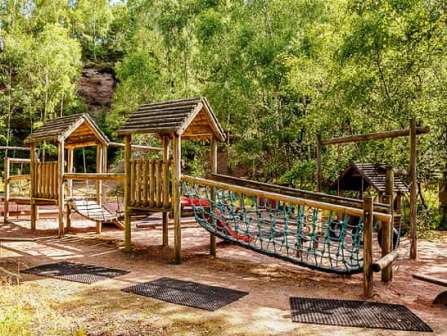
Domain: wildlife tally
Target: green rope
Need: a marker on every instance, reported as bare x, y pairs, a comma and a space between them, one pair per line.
306, 236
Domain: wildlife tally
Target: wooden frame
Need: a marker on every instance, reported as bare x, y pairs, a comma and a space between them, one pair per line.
410, 132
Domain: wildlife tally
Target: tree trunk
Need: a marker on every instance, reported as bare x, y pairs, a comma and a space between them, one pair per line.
443, 202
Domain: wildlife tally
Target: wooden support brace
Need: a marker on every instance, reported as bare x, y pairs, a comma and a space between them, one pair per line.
127, 210
213, 163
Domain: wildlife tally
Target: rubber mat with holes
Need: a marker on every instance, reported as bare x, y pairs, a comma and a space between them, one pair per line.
187, 293
82, 273
348, 313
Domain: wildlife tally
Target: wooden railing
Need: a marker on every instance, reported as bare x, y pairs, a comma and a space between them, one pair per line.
46, 184
324, 205
150, 187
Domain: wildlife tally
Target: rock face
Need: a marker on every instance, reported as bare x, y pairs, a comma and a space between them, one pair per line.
96, 88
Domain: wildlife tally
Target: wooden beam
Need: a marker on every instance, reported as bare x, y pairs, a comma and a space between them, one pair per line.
95, 176
14, 148
322, 197
283, 198
213, 164
60, 185
176, 186
141, 148
385, 262
387, 227
368, 220
127, 210
413, 190
374, 136
33, 186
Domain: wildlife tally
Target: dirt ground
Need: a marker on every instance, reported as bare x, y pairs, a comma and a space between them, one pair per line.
60, 307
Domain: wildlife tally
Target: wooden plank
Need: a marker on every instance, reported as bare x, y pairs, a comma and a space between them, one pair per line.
133, 172
413, 190
152, 184
145, 182
387, 227
431, 279
137, 182
165, 234
374, 136
368, 220
127, 187
159, 183
177, 155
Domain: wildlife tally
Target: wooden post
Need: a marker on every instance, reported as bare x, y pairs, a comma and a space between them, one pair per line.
176, 186
7, 190
70, 160
387, 227
68, 216
165, 189
367, 246
413, 191
213, 164
33, 173
318, 173
99, 184
127, 217
60, 185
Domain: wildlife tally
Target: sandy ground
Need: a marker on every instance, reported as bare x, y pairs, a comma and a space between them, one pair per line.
102, 309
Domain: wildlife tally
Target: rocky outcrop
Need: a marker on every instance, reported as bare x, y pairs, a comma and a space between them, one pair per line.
96, 88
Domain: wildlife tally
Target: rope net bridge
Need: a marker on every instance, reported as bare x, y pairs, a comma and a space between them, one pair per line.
312, 234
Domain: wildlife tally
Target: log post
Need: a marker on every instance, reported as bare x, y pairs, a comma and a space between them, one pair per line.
165, 239
413, 191
387, 227
127, 184
60, 185
70, 160
213, 164
368, 217
7, 190
318, 154
177, 171
33, 173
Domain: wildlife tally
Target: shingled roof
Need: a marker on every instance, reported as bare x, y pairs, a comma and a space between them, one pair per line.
191, 118
373, 175
75, 128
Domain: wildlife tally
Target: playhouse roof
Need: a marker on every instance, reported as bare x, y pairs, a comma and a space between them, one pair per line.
191, 118
73, 129
373, 176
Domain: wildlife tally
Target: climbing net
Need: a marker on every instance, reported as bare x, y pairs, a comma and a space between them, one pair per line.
311, 237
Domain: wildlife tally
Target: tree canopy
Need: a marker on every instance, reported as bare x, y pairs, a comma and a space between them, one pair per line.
277, 72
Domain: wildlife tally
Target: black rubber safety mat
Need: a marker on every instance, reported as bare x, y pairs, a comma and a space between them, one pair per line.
82, 273
350, 313
187, 293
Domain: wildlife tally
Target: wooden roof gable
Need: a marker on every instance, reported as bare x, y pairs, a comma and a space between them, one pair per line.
374, 176
73, 129
191, 118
